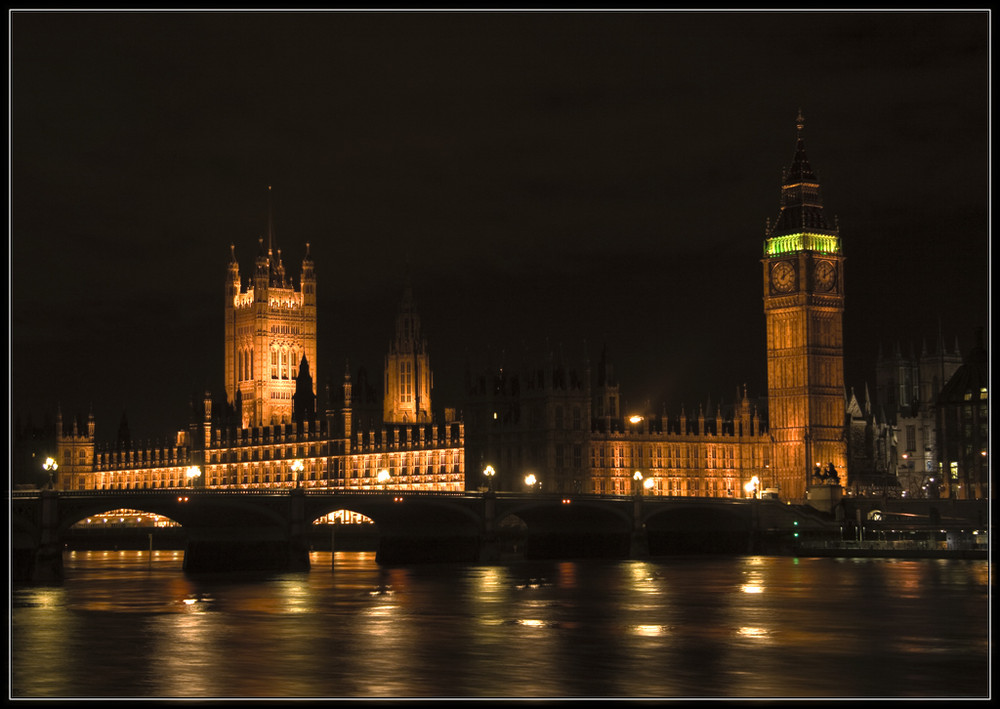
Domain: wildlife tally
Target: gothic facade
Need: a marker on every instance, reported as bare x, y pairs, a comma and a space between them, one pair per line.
268, 433
566, 427
907, 385
270, 329
963, 429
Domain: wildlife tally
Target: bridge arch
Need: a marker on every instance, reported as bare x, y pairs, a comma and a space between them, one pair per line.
184, 509
389, 511
698, 529
552, 512
567, 527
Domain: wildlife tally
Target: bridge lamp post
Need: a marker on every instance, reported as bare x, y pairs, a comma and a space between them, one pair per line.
531, 481
637, 476
51, 466
648, 483
297, 471
383, 478
752, 488
193, 472
489, 472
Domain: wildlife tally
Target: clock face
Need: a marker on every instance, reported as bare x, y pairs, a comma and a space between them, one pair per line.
783, 277
826, 276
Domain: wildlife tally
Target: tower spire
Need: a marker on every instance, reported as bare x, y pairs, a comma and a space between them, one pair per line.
270, 222
801, 218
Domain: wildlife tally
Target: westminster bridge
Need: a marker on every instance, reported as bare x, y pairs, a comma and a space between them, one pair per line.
269, 529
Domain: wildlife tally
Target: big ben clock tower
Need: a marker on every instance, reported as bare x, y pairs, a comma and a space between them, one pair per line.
804, 311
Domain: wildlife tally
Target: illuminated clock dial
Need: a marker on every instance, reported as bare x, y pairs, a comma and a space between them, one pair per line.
783, 277
826, 276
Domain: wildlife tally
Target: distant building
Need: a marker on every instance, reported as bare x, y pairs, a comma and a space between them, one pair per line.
907, 387
963, 430
871, 450
531, 419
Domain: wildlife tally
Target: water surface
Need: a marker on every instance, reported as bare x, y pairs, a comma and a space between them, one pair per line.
122, 624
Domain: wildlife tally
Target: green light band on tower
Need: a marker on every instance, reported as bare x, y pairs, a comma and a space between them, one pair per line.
804, 241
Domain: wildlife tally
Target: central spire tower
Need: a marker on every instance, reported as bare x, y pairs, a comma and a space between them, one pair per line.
270, 328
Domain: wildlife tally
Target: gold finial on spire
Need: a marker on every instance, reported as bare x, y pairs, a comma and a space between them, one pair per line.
800, 122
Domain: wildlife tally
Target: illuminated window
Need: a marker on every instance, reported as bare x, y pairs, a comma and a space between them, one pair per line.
274, 364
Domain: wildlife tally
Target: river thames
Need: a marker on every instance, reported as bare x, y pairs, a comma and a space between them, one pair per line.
124, 624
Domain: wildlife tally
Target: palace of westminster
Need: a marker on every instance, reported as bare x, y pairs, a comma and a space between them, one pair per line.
925, 434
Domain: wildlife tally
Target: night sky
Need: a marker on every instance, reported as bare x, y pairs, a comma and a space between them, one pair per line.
549, 181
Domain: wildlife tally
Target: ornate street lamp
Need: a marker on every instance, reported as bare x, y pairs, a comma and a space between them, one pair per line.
297, 468
193, 472
531, 481
489, 472
51, 466
383, 478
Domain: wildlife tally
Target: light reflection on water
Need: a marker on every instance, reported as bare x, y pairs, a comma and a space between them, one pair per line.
122, 624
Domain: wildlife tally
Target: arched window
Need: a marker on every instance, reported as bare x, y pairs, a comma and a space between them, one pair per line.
405, 382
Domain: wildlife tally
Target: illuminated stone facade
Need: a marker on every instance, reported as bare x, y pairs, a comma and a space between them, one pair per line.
553, 421
564, 425
803, 274
699, 457
270, 329
268, 433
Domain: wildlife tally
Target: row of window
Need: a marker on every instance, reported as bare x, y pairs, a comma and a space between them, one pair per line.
671, 487
679, 456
